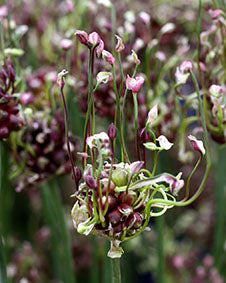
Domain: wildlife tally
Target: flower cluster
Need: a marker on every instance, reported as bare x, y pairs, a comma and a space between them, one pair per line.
9, 108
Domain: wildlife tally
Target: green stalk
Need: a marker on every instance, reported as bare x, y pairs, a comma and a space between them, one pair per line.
3, 277
116, 272
160, 247
199, 42
136, 120
60, 232
219, 233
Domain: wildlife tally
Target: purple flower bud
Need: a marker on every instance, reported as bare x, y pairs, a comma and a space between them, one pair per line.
91, 182
26, 98
112, 131
134, 221
114, 216
120, 45
136, 166
125, 209
215, 14
108, 57
82, 36
94, 39
100, 48
197, 145
112, 202
78, 174
126, 198
134, 84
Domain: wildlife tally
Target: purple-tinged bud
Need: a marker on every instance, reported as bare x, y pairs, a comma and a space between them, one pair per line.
4, 132
78, 174
91, 182
118, 228
114, 216
186, 67
100, 48
216, 91
197, 145
145, 17
108, 57
26, 98
82, 36
112, 131
134, 84
136, 166
94, 39
119, 45
136, 60
144, 135
66, 44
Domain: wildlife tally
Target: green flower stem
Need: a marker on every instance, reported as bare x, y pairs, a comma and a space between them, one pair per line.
116, 272
113, 30
61, 239
3, 277
90, 102
136, 122
121, 74
2, 41
66, 133
199, 42
220, 225
160, 247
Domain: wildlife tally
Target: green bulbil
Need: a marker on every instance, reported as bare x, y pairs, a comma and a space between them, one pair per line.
120, 177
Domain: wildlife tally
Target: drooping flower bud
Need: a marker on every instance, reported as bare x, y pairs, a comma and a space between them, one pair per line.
103, 77
164, 143
183, 72
100, 48
119, 45
197, 144
112, 131
108, 57
152, 114
169, 27
60, 78
78, 174
136, 166
134, 84
82, 37
91, 182
136, 60
145, 17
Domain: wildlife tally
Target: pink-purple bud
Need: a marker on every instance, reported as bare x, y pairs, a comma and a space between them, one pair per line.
197, 145
91, 182
119, 45
78, 174
215, 14
94, 39
114, 216
108, 57
134, 84
186, 67
112, 131
26, 98
82, 36
100, 48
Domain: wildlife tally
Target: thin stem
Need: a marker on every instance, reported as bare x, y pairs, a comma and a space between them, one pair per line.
116, 272
66, 132
199, 42
160, 246
2, 248
136, 122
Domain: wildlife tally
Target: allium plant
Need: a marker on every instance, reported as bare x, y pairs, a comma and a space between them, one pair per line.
116, 197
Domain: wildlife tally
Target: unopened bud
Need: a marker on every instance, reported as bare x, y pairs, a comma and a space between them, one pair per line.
134, 84
114, 216
100, 48
120, 45
112, 131
26, 98
66, 44
94, 39
78, 174
91, 182
82, 36
108, 57
136, 60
